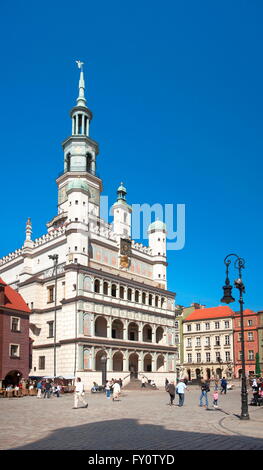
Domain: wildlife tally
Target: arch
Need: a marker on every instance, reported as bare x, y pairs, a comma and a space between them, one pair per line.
160, 363
113, 290
208, 374
12, 378
117, 361
150, 299
133, 365
156, 300
147, 363
159, 334
122, 292
133, 331
219, 373
105, 288
189, 374
117, 329
101, 327
198, 373
144, 298
98, 362
137, 294
97, 286
147, 334
129, 294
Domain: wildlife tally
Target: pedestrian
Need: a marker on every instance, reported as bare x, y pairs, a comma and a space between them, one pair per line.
143, 385
39, 389
48, 388
166, 382
180, 388
223, 385
120, 382
204, 390
107, 389
79, 394
215, 398
170, 388
57, 390
116, 391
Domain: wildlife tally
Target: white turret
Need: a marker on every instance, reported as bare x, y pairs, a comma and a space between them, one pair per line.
122, 214
157, 242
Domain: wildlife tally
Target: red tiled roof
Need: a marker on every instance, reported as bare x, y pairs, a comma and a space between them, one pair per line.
246, 312
14, 300
208, 313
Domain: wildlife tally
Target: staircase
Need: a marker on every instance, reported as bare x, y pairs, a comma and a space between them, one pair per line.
136, 384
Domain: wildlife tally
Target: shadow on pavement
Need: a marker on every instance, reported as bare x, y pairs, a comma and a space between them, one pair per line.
128, 434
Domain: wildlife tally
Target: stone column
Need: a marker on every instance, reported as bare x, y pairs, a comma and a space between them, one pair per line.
154, 359
140, 338
140, 362
93, 358
126, 361
109, 361
109, 323
125, 330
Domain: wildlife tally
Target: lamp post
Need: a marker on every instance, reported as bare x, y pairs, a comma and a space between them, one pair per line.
104, 368
227, 298
55, 259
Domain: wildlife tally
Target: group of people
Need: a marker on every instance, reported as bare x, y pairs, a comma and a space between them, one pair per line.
145, 381
257, 390
46, 388
181, 386
113, 389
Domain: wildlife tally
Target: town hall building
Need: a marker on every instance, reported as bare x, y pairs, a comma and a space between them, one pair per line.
95, 295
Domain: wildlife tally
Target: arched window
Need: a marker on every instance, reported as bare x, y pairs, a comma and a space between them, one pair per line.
88, 162
68, 156
129, 294
156, 300
97, 286
143, 298
105, 288
162, 302
150, 299
113, 290
137, 293
122, 292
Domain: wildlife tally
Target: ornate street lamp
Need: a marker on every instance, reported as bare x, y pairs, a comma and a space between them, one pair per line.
104, 368
227, 298
55, 259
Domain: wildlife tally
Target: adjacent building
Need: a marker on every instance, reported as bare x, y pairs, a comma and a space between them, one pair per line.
251, 321
14, 336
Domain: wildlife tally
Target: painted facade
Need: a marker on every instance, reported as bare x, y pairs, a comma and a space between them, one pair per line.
251, 341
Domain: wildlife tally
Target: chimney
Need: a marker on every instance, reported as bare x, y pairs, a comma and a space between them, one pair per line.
2, 293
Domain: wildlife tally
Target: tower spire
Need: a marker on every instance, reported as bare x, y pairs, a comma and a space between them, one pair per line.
81, 100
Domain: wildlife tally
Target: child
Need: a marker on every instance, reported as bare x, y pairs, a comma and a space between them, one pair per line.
215, 397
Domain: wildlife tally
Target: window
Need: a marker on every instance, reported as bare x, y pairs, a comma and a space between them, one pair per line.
198, 327
217, 325
149, 334
156, 300
208, 357
240, 355
250, 336
189, 342
218, 357
150, 299
50, 293
250, 355
105, 288
217, 341
137, 293
176, 324
113, 290
189, 357
207, 340
188, 327
239, 336
76, 202
227, 340
97, 286
50, 329
162, 302
15, 324
207, 326
176, 338
198, 341
14, 350
228, 359
226, 324
129, 294
198, 357
143, 298
250, 322
41, 362
122, 292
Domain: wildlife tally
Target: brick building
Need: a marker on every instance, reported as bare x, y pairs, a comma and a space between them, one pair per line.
14, 335
251, 325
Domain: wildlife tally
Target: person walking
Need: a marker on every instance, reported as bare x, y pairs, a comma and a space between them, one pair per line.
215, 398
204, 390
48, 388
143, 385
39, 389
116, 390
79, 395
170, 388
107, 389
223, 385
180, 388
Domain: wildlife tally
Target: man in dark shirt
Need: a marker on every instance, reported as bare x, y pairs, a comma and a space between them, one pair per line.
170, 388
47, 391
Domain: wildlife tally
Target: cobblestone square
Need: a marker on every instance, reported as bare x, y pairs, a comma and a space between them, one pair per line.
141, 420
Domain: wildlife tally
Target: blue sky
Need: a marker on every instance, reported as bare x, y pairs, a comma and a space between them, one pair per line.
176, 93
